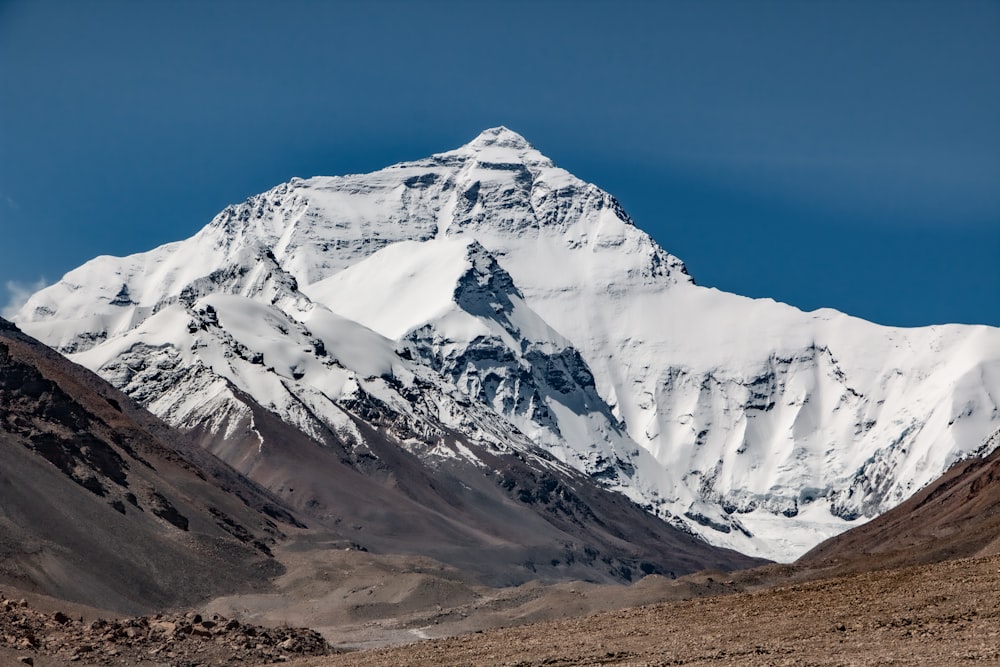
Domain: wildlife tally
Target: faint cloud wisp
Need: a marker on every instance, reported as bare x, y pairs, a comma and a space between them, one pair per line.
18, 294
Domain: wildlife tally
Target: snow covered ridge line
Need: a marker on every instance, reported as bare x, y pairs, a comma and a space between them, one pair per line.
485, 291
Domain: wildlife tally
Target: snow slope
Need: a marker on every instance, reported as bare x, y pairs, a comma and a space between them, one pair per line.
488, 291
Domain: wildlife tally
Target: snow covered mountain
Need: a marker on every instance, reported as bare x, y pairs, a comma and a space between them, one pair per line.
485, 294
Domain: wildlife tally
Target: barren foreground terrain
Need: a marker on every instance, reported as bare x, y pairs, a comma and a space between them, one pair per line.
944, 614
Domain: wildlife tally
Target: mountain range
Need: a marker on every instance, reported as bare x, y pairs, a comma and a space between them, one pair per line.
101, 503
482, 314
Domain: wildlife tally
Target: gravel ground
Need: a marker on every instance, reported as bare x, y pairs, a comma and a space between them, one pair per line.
942, 614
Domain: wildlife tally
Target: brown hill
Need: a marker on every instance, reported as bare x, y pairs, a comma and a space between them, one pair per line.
99, 506
508, 523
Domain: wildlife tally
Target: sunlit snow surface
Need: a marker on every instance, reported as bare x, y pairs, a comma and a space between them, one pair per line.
488, 291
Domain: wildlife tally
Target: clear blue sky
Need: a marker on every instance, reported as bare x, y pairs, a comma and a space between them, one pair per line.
842, 154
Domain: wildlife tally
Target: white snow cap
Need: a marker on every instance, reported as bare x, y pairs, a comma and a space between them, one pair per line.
501, 137
500, 144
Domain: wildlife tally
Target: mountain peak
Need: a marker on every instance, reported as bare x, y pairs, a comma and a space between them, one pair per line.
499, 145
499, 137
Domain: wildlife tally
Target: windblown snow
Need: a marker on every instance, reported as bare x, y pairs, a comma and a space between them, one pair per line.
487, 292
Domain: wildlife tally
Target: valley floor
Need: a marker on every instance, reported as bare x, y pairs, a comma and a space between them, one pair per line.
942, 614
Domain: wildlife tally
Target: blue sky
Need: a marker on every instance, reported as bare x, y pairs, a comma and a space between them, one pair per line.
841, 154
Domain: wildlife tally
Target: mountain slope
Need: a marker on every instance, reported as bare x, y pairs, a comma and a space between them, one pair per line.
957, 516
488, 292
98, 506
512, 517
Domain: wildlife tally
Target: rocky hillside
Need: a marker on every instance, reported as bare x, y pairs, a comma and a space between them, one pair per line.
99, 504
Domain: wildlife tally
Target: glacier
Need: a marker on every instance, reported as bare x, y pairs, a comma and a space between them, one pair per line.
486, 292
